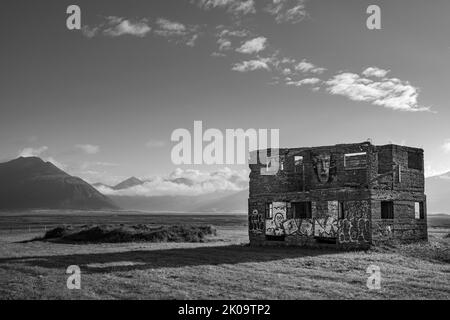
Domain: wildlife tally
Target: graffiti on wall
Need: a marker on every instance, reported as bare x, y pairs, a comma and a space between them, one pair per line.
356, 209
280, 225
354, 230
326, 227
274, 226
355, 227
299, 227
256, 222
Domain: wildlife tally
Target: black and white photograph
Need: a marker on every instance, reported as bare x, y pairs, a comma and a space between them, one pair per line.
225, 155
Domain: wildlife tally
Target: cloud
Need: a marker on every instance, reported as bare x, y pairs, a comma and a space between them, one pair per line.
307, 67
390, 93
176, 31
218, 54
290, 11
117, 26
167, 27
186, 183
33, 152
226, 36
236, 7
375, 72
113, 26
239, 33
253, 46
191, 42
446, 146
88, 148
155, 144
310, 81
224, 44
251, 65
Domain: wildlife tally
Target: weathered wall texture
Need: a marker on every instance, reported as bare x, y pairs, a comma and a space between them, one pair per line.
345, 185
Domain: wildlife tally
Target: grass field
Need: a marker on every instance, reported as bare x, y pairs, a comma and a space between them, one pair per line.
224, 267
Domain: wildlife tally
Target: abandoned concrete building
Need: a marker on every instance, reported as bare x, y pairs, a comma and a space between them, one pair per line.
346, 196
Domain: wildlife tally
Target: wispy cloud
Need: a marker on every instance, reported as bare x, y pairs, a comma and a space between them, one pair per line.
88, 148
177, 32
236, 7
170, 28
307, 67
390, 93
253, 46
291, 11
117, 26
310, 81
375, 72
251, 65
33, 152
224, 44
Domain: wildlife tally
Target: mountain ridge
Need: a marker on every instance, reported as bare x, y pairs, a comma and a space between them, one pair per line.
32, 183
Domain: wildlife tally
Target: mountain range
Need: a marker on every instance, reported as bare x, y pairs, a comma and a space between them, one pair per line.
31, 183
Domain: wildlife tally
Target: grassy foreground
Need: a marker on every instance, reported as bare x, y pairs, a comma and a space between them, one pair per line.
224, 268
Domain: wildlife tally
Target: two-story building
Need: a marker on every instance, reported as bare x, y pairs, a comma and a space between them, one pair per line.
347, 196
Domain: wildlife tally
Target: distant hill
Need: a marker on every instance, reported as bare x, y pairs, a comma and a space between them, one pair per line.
130, 182
220, 202
31, 183
437, 189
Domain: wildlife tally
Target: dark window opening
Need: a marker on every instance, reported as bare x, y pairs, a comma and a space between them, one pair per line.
301, 210
415, 160
341, 210
419, 211
387, 210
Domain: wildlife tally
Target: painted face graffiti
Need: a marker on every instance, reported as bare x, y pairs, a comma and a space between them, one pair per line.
322, 167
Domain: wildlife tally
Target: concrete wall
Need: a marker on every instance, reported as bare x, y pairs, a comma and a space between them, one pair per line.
404, 227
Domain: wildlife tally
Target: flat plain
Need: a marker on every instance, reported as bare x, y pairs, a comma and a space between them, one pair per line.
223, 267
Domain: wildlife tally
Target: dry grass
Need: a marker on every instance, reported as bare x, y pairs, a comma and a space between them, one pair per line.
224, 269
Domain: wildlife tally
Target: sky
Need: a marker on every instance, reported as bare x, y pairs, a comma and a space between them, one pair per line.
103, 101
